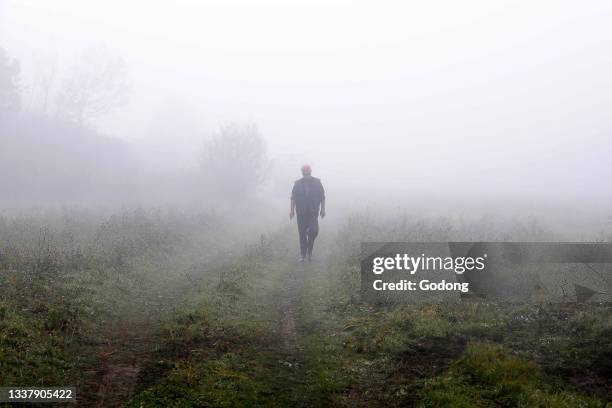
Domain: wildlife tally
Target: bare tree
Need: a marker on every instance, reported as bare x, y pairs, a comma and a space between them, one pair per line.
9, 83
45, 69
98, 84
234, 161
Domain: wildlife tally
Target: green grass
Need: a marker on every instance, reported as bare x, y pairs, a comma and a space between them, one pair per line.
223, 369
226, 351
217, 334
45, 330
404, 355
488, 376
64, 281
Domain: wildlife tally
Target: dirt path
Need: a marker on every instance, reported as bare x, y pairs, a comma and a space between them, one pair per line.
129, 345
293, 287
111, 381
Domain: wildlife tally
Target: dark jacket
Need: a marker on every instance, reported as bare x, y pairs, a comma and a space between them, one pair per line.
308, 193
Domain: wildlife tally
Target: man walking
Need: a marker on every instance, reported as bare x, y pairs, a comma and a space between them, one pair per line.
307, 199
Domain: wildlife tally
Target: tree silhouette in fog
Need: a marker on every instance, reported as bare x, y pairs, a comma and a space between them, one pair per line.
234, 162
97, 85
9, 83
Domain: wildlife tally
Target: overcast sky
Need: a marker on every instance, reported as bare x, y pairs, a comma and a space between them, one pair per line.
484, 96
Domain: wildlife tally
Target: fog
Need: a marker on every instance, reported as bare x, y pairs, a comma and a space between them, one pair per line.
488, 105
158, 246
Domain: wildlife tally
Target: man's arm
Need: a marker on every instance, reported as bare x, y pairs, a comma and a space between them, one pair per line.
292, 210
322, 202
323, 207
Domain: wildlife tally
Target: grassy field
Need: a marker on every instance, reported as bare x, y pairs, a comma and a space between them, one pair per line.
149, 309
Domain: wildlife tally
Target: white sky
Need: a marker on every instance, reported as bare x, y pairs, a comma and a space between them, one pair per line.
468, 95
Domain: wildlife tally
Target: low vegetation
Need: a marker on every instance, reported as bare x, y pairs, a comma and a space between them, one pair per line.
256, 329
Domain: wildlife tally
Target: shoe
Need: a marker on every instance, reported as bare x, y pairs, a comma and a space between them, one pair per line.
309, 258
302, 259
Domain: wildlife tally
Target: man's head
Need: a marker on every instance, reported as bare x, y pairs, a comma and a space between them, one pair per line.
306, 170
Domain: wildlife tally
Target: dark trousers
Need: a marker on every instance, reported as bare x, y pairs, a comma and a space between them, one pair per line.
308, 228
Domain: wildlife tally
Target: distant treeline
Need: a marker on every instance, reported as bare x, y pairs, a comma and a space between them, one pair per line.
43, 158
52, 153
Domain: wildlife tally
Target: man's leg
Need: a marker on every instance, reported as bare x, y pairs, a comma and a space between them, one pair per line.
313, 231
302, 222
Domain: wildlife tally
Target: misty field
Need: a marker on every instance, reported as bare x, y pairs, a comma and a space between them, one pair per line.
150, 203
161, 309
